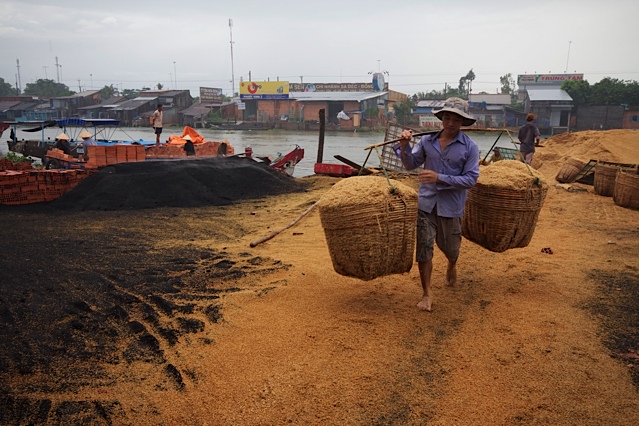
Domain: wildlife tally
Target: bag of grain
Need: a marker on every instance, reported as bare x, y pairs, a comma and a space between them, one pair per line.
370, 224
502, 208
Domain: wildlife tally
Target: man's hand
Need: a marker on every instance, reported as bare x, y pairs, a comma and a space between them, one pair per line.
428, 176
405, 137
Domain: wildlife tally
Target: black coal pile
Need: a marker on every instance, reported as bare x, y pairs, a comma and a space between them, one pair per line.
176, 183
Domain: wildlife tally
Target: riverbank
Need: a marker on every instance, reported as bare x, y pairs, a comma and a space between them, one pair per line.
168, 316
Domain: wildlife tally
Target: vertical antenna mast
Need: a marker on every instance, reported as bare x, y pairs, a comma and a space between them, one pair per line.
57, 68
568, 57
18, 82
232, 69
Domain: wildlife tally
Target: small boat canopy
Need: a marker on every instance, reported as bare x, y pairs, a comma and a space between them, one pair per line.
93, 122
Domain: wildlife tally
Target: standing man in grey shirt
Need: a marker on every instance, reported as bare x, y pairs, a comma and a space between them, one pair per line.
528, 137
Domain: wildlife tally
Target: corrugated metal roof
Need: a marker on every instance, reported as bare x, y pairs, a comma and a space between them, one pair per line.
19, 106
491, 98
4, 105
109, 103
548, 95
172, 93
335, 96
196, 110
429, 103
133, 103
83, 94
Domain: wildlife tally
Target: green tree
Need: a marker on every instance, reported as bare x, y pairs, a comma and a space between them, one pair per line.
404, 111
469, 78
466, 85
579, 91
159, 86
47, 89
6, 89
130, 93
632, 93
609, 91
107, 92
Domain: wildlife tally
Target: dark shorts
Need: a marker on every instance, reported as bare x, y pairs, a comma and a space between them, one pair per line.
446, 231
158, 130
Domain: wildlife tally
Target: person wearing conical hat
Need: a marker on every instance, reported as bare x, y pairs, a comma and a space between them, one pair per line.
189, 148
450, 161
87, 141
62, 143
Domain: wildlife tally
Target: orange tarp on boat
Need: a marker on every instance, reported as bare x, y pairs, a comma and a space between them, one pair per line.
179, 140
175, 147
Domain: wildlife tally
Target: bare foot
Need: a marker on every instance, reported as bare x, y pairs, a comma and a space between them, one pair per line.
451, 275
425, 304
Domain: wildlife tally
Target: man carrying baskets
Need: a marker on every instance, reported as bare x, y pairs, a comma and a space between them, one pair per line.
451, 166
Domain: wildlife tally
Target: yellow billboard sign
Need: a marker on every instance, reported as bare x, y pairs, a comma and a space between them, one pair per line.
264, 90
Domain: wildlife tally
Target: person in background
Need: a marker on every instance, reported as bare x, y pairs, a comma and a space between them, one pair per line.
87, 141
156, 122
189, 148
528, 137
62, 143
222, 149
451, 166
493, 158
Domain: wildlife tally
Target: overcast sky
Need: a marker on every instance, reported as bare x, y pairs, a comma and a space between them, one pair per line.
422, 44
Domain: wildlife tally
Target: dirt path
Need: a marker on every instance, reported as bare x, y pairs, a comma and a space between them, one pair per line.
176, 320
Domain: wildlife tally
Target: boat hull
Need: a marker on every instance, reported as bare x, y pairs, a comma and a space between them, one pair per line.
334, 170
32, 148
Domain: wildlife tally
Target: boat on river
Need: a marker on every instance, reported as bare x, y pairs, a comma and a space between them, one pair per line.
102, 129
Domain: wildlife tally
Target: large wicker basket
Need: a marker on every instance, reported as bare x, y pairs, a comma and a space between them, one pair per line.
626, 192
499, 219
569, 170
370, 236
604, 181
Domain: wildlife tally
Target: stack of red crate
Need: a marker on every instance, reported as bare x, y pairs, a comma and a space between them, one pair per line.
36, 186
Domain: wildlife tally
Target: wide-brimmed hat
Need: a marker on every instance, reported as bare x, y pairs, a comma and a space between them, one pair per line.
62, 137
456, 106
84, 134
187, 138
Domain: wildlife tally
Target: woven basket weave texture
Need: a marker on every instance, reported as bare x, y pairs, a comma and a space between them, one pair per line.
626, 192
367, 240
604, 181
569, 170
499, 219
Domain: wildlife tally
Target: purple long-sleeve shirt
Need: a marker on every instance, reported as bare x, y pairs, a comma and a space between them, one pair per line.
457, 166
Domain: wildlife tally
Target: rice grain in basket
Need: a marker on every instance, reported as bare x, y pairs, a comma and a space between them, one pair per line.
502, 208
370, 231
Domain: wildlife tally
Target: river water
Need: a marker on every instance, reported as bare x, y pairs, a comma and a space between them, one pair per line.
268, 143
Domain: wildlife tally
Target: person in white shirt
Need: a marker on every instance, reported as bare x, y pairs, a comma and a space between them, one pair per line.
156, 121
87, 140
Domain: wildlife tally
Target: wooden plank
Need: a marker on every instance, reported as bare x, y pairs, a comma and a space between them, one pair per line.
360, 169
587, 174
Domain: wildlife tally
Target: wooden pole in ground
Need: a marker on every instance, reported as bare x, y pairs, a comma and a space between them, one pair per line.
320, 144
274, 233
